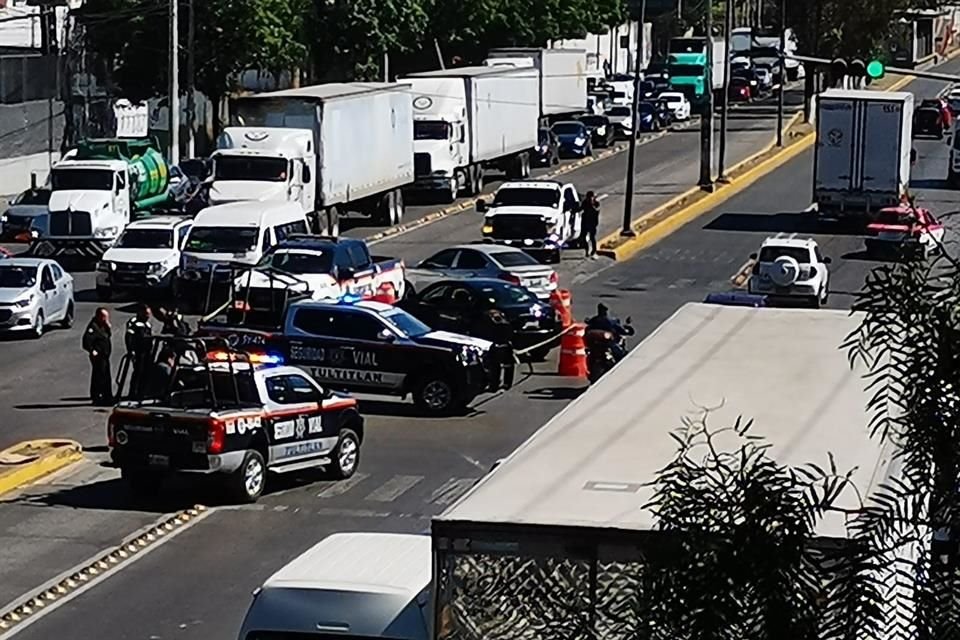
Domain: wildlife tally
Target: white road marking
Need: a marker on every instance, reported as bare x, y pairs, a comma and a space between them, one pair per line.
340, 488
452, 489
682, 283
393, 488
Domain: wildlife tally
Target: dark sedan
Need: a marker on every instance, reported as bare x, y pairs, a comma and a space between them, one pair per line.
649, 117
574, 139
459, 306
928, 121
548, 148
601, 130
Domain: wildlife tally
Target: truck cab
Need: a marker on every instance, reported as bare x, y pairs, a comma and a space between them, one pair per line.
440, 144
272, 164
538, 216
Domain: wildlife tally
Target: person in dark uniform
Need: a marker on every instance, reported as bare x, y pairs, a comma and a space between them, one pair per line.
97, 344
137, 341
161, 373
590, 221
495, 327
173, 323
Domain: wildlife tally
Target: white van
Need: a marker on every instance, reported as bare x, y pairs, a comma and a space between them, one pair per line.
349, 586
237, 232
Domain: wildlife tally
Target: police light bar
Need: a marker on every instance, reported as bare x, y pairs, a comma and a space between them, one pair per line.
350, 298
253, 358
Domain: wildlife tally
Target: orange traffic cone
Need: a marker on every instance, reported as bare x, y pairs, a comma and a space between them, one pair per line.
561, 301
573, 353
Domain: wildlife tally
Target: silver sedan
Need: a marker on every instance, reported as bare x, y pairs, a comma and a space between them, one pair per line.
484, 261
34, 294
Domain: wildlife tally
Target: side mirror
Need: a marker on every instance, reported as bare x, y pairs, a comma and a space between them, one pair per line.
386, 336
482, 206
754, 256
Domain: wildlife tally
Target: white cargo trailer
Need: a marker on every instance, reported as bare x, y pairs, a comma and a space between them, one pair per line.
469, 119
563, 76
331, 147
862, 158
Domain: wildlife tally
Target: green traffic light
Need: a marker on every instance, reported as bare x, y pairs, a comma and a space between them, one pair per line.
875, 69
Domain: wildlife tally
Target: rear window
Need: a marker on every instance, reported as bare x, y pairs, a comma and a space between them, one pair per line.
770, 254
197, 388
513, 259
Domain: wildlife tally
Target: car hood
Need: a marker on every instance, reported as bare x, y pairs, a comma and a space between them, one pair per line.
140, 256
223, 191
523, 211
92, 201
446, 339
8, 295
28, 210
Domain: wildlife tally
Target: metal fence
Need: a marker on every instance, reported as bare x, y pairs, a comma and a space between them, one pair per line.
25, 78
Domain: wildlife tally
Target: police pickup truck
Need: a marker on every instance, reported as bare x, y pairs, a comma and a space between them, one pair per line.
238, 416
320, 268
370, 347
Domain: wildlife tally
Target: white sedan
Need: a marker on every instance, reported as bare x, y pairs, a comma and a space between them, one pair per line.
34, 293
678, 103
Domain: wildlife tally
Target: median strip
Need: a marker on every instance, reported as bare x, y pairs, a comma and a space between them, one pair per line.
29, 461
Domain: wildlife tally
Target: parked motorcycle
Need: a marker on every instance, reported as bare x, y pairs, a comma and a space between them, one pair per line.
604, 350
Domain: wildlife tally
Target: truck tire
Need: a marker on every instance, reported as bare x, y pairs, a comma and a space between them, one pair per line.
248, 481
346, 456
454, 190
398, 206
525, 165
436, 396
330, 221
383, 214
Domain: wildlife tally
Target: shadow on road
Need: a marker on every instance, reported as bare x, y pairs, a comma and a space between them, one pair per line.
775, 223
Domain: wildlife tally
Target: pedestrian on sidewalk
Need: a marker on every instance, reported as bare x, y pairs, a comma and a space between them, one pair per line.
589, 221
98, 345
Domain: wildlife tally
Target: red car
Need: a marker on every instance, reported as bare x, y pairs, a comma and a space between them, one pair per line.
740, 90
901, 227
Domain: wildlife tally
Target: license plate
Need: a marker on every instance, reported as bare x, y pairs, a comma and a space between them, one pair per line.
158, 461
199, 447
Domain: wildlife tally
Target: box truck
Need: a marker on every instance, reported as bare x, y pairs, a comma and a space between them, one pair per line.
469, 119
563, 77
687, 61
330, 147
863, 151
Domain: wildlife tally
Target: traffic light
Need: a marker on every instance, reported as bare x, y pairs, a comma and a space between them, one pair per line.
876, 70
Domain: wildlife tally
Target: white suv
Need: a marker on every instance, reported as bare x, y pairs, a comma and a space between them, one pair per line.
144, 259
790, 267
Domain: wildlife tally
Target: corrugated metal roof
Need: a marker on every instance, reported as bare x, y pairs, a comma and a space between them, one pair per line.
591, 464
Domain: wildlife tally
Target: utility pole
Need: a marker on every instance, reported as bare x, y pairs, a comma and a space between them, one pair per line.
783, 70
706, 120
48, 44
174, 99
627, 228
191, 83
725, 98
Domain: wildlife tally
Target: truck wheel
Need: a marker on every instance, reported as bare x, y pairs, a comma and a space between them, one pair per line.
331, 222
142, 482
398, 207
346, 456
454, 189
436, 396
247, 482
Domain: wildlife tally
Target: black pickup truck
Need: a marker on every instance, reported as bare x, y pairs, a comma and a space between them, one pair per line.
369, 347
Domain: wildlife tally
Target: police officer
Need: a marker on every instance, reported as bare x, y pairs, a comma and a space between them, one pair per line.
590, 220
173, 323
161, 373
603, 321
137, 340
495, 327
97, 343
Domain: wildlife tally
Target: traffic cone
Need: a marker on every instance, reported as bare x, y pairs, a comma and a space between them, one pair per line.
573, 353
561, 300
387, 294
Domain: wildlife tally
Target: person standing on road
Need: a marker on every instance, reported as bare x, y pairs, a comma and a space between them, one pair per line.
137, 341
97, 343
590, 220
495, 327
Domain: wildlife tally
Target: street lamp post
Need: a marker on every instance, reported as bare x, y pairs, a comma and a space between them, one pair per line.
627, 228
725, 98
706, 121
783, 70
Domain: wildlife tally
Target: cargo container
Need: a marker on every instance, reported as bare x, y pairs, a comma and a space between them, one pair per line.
563, 77
470, 119
330, 147
863, 151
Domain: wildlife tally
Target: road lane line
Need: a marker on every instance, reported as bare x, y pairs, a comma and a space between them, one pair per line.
393, 488
452, 489
341, 487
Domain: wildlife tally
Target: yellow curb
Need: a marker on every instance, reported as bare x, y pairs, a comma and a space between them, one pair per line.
31, 460
662, 229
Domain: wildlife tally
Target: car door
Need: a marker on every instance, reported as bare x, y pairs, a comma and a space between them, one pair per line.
471, 264
296, 432
436, 267
445, 307
48, 293
64, 284
429, 304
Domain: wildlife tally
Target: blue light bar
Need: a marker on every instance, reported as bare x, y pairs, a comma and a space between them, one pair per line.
349, 298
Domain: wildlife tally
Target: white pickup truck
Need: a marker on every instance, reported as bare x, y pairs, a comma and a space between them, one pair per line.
538, 216
145, 258
318, 267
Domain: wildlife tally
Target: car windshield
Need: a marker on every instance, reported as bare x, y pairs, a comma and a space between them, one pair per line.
299, 262
521, 197
406, 323
431, 130
250, 169
146, 239
505, 294
81, 180
770, 254
593, 121
567, 128
619, 111
678, 70
513, 259
39, 197
222, 239
17, 277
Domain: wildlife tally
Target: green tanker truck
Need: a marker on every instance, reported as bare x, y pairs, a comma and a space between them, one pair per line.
97, 188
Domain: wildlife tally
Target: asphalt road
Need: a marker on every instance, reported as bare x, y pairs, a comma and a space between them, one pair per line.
199, 584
